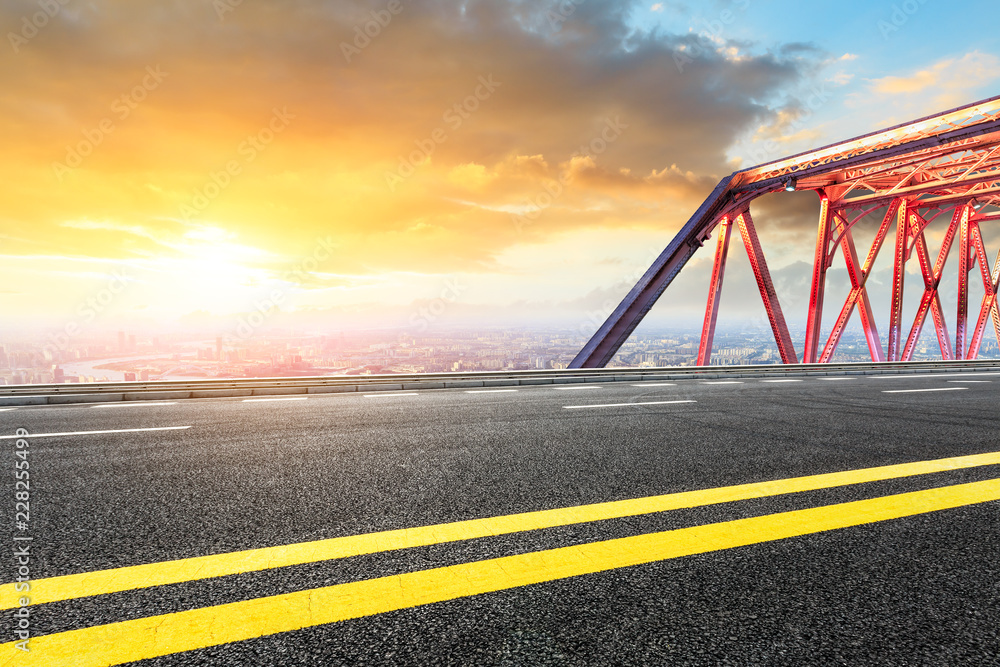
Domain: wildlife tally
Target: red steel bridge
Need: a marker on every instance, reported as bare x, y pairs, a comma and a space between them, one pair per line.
944, 166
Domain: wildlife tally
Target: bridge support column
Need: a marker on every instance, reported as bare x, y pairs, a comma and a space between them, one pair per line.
724, 231
965, 262
898, 278
821, 263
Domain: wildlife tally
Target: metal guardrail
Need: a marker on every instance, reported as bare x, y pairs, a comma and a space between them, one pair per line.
50, 394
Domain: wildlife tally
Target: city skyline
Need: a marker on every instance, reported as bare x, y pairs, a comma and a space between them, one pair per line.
144, 357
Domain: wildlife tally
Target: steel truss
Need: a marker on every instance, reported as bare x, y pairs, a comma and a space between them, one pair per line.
913, 173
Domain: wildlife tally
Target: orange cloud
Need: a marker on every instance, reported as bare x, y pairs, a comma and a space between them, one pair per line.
952, 80
137, 133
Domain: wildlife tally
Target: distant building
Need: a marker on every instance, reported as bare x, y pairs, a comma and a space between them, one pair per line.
121, 340
130, 377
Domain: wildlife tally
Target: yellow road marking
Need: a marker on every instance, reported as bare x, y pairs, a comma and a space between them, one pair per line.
145, 638
102, 582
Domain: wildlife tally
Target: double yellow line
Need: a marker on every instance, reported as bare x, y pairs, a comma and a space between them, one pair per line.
198, 628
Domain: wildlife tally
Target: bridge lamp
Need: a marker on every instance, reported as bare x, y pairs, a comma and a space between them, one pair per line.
790, 185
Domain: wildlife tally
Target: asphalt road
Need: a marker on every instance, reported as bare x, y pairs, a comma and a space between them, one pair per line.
914, 590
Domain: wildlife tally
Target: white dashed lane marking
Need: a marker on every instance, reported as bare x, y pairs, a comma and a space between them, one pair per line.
123, 430
488, 391
915, 391
142, 404
622, 405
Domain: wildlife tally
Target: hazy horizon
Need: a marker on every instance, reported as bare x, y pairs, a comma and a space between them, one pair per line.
474, 164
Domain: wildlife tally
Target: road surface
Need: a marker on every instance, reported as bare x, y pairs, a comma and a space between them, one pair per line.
897, 565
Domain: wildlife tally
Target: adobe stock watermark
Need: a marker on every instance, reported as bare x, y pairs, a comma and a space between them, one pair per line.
595, 318
223, 7
553, 189
562, 12
263, 310
899, 17
321, 252
35, 23
88, 311
248, 151
266, 307
22, 541
710, 38
365, 33
122, 107
769, 149
453, 117
426, 315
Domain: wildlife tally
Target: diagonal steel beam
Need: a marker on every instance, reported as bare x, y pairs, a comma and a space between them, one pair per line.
996, 303
863, 304
990, 287
986, 156
714, 292
858, 291
820, 265
937, 313
766, 287
605, 342
932, 280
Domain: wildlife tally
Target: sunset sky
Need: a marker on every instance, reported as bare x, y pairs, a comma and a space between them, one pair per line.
520, 160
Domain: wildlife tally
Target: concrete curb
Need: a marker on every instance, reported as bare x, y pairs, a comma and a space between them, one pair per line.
283, 387
221, 393
85, 398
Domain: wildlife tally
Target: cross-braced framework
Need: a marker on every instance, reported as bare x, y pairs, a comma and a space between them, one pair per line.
943, 166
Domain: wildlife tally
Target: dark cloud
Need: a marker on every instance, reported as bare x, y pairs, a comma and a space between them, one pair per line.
559, 77
802, 49
361, 102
